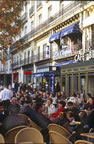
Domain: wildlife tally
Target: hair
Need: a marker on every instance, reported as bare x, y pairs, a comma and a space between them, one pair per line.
70, 113
50, 99
89, 95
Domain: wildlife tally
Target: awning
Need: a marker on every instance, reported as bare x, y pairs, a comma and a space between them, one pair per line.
74, 28
41, 74
54, 37
89, 20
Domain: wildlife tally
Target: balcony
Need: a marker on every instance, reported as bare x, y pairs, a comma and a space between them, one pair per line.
39, 4
31, 10
24, 17
41, 56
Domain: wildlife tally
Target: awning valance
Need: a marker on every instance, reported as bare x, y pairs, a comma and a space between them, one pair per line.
74, 28
54, 37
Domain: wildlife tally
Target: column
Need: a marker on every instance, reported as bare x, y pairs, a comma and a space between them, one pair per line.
86, 82
79, 82
66, 84
72, 84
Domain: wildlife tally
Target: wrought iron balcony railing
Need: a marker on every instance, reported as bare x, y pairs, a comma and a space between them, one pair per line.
35, 58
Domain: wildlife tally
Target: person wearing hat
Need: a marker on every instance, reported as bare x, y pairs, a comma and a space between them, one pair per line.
61, 105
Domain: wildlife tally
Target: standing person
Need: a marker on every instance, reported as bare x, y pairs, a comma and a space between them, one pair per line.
5, 94
58, 87
16, 86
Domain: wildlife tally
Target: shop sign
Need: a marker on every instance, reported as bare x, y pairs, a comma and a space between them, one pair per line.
63, 53
38, 75
43, 70
27, 72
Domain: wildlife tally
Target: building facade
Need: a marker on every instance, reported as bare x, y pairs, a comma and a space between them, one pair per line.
58, 46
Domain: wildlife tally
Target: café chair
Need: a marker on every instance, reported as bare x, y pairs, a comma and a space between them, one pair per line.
59, 129
10, 135
83, 142
57, 138
2, 140
29, 135
30, 123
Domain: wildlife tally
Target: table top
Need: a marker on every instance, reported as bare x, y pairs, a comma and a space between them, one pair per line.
89, 135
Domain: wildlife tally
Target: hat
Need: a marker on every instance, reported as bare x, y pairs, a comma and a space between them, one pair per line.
70, 103
62, 102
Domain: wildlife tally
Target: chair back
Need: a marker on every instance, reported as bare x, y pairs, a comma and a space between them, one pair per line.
10, 135
2, 141
57, 138
83, 142
30, 122
29, 135
59, 129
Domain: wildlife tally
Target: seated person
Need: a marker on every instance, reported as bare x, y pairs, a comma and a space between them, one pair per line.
71, 107
61, 105
13, 119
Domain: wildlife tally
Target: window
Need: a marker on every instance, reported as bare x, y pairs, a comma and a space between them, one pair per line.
32, 3
49, 11
25, 30
39, 53
25, 57
44, 51
40, 18
28, 56
25, 7
32, 25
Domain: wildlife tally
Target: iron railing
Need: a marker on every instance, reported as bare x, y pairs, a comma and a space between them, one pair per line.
30, 60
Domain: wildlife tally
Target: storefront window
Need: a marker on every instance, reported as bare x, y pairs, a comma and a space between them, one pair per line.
91, 83
63, 84
83, 83
69, 86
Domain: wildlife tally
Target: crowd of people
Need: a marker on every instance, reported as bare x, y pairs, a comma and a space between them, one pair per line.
45, 108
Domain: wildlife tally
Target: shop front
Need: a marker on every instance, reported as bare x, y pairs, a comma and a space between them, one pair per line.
78, 77
45, 78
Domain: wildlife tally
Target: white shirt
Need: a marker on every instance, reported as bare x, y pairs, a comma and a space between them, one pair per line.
6, 94
51, 109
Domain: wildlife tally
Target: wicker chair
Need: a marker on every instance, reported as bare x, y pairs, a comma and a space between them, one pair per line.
2, 141
29, 135
10, 135
30, 122
59, 129
83, 142
57, 138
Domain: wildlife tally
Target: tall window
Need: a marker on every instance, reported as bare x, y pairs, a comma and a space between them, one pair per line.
25, 30
28, 56
49, 11
39, 53
25, 57
44, 51
25, 7
40, 18
32, 25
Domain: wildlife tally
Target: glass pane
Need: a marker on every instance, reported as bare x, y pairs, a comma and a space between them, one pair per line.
83, 83
91, 83
69, 85
64, 84
75, 83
